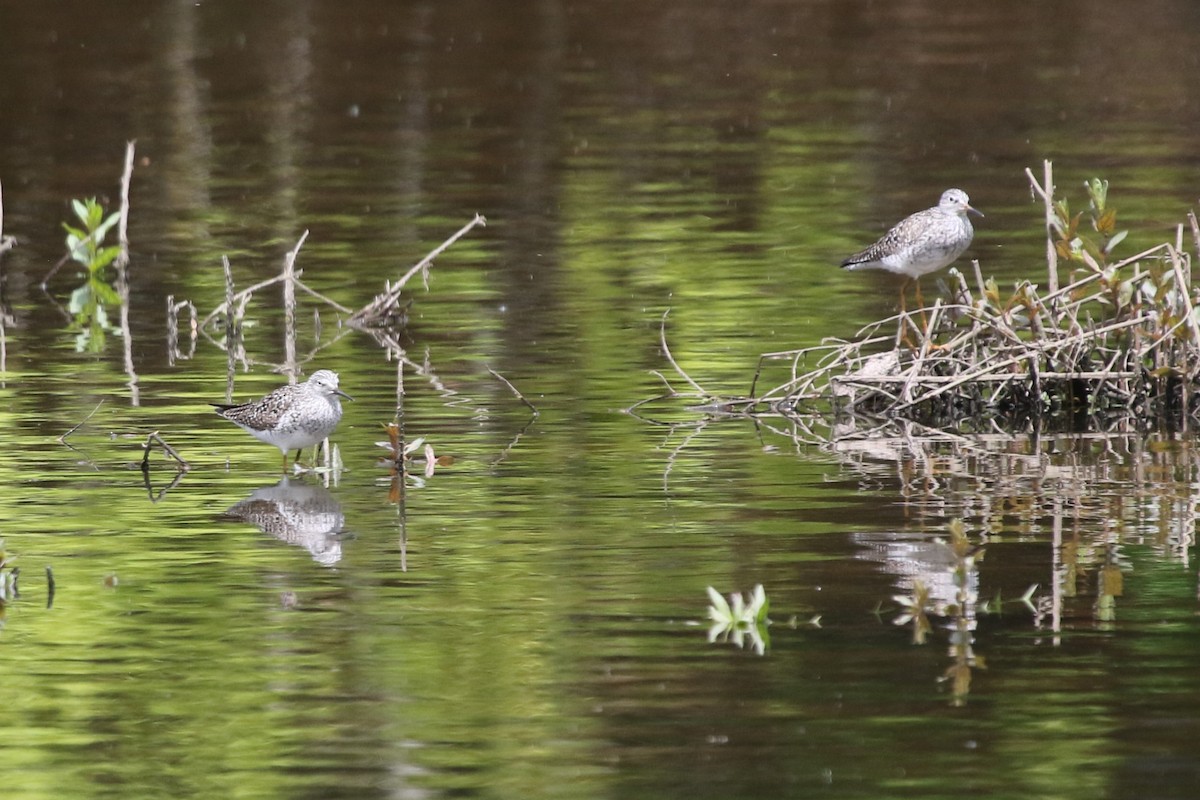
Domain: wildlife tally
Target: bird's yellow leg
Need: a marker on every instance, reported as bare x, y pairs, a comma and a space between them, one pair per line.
904, 337
928, 334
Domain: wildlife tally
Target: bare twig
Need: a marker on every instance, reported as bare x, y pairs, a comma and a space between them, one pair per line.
6, 242
327, 300
59, 264
662, 332
155, 438
378, 309
123, 222
1195, 230
63, 439
1046, 192
513, 389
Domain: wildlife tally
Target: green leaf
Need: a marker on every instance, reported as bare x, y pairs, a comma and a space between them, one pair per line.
1116, 239
95, 213
105, 294
1062, 210
81, 211
103, 258
99, 232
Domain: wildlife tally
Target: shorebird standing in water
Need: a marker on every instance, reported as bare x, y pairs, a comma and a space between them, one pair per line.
291, 417
922, 243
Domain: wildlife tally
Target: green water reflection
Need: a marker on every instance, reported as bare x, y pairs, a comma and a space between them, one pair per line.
530, 620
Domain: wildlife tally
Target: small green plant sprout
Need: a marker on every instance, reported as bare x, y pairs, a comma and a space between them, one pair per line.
86, 244
90, 324
1073, 244
740, 618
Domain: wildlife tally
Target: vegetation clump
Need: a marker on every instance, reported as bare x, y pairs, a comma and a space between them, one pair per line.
1121, 338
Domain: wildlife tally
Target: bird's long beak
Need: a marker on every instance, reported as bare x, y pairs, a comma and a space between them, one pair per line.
975, 211
343, 394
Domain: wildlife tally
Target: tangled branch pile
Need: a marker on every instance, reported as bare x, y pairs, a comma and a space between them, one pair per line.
1122, 338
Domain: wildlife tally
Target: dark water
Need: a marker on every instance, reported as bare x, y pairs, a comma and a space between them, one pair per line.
531, 620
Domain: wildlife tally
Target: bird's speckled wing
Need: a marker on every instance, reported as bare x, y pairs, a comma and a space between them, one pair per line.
260, 415
903, 235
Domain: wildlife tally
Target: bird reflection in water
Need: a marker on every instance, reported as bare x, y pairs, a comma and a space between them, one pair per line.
299, 513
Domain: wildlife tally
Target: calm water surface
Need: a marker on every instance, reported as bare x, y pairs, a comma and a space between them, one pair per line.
531, 619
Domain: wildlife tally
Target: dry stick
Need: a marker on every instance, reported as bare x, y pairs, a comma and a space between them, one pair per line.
230, 320
1047, 194
662, 333
123, 221
63, 439
394, 350
392, 295
1183, 285
1021, 357
808, 380
244, 294
122, 264
632, 410
883, 380
1166, 335
239, 297
796, 355
513, 389
1195, 230
1094, 276
66, 257
300, 284
915, 370
1109, 373
231, 329
170, 451
6, 243
172, 330
289, 310
979, 278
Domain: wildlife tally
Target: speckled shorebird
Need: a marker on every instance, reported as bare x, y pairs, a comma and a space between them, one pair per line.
923, 243
291, 417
